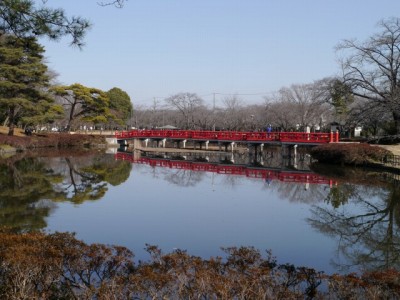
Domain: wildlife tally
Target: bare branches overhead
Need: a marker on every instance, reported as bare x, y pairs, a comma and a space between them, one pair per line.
116, 3
371, 68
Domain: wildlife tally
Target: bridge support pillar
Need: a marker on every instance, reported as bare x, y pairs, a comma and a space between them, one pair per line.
207, 142
232, 145
308, 131
136, 143
163, 142
307, 185
295, 156
146, 142
123, 143
261, 148
184, 144
250, 154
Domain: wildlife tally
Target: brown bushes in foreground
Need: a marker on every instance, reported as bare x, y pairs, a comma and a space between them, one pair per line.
349, 154
58, 266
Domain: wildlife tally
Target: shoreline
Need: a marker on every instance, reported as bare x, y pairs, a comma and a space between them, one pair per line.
395, 149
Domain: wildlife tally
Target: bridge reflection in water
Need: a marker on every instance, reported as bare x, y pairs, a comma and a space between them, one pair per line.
194, 162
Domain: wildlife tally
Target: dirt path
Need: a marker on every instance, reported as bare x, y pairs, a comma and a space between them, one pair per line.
395, 149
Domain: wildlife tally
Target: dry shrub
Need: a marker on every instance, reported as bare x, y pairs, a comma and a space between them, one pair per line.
349, 154
39, 266
58, 266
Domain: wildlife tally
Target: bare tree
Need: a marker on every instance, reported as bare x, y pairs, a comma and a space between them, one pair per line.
370, 115
299, 106
204, 118
371, 68
257, 117
307, 101
187, 104
233, 116
282, 115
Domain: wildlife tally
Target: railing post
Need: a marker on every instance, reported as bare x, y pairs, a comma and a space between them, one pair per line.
337, 136
331, 137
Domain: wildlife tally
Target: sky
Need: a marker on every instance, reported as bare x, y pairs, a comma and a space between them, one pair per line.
153, 49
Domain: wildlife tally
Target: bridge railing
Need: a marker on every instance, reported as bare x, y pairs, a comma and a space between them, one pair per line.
266, 174
301, 137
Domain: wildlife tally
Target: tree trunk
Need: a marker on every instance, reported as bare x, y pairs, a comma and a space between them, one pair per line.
71, 116
396, 117
11, 114
5, 121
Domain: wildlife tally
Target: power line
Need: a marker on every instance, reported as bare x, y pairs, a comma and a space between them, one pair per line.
214, 94
241, 94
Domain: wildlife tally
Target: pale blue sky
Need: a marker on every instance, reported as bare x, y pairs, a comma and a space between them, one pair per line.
157, 48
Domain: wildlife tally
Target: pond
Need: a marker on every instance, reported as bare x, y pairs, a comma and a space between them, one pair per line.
340, 220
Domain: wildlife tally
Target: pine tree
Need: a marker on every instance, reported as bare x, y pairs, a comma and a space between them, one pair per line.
24, 18
120, 103
84, 103
23, 80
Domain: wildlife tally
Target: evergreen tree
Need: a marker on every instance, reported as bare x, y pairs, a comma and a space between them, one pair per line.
84, 103
22, 18
120, 103
23, 81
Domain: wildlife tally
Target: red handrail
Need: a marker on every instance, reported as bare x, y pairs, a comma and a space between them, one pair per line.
232, 136
266, 174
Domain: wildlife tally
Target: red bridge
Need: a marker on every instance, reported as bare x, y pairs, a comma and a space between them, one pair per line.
231, 136
263, 173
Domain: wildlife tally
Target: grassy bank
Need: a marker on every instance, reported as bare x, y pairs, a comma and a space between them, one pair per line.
350, 154
20, 141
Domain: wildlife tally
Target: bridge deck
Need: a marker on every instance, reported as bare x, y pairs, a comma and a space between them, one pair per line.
231, 136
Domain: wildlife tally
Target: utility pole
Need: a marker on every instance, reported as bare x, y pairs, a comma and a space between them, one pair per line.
130, 119
213, 101
214, 111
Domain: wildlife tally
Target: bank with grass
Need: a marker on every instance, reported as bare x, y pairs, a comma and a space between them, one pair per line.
50, 140
355, 154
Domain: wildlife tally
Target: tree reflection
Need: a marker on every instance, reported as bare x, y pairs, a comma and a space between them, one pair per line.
184, 178
29, 185
301, 192
366, 221
25, 185
86, 178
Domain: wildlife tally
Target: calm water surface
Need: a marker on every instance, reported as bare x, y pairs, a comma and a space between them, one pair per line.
349, 224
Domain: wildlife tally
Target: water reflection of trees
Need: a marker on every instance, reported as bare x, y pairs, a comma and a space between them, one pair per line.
25, 186
301, 192
184, 178
30, 185
365, 219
